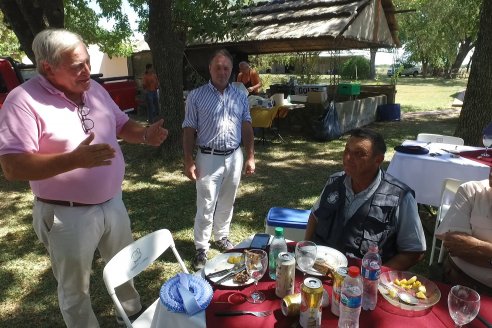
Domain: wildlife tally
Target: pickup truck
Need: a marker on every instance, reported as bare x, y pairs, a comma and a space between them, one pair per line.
122, 89
407, 70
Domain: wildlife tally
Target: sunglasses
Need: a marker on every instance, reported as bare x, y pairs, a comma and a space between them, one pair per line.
87, 123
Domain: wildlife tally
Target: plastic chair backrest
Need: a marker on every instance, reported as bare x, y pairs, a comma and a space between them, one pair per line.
133, 259
430, 137
262, 117
448, 192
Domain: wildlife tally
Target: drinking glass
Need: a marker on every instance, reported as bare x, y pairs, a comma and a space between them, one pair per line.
463, 304
305, 256
256, 265
487, 142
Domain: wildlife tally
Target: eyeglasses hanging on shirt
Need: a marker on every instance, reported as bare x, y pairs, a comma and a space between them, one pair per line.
87, 123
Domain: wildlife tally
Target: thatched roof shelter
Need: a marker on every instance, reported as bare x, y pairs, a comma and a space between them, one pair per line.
282, 26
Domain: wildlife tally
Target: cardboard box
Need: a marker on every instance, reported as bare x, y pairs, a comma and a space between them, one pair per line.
303, 89
297, 98
317, 97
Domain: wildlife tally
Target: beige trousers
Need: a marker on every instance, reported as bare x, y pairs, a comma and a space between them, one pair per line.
216, 186
71, 235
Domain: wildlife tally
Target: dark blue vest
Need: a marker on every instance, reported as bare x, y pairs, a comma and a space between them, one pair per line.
373, 222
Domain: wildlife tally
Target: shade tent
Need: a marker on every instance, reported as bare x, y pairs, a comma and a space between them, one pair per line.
311, 25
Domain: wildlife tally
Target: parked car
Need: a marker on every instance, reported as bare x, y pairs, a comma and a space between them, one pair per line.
122, 89
407, 70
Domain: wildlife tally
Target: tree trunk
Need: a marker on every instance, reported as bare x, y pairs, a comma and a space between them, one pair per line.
463, 50
372, 72
167, 49
28, 18
476, 112
425, 68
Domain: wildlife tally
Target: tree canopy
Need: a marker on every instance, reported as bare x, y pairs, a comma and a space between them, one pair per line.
439, 34
9, 46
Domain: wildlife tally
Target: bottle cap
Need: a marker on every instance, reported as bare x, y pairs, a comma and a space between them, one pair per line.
373, 247
354, 271
279, 231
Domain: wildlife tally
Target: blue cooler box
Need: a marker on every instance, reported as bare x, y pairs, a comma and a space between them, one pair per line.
293, 221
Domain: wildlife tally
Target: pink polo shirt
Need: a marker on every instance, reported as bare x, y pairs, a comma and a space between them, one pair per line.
38, 118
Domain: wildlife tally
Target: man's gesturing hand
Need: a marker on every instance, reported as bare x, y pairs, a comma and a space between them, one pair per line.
87, 155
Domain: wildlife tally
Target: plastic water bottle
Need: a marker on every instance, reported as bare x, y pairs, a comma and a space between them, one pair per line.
370, 271
277, 246
350, 299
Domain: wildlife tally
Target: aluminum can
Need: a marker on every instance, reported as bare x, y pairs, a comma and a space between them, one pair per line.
311, 296
286, 273
291, 305
338, 276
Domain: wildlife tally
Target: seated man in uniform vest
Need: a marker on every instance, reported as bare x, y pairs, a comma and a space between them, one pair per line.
364, 205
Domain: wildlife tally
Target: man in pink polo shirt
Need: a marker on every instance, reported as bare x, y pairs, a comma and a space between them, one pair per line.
59, 130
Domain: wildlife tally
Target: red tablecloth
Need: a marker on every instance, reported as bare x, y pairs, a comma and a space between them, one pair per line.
383, 316
475, 155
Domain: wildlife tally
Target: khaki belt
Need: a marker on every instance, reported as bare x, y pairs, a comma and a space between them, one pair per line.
64, 202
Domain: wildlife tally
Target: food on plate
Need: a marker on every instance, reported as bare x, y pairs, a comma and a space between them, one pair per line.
412, 280
322, 266
253, 257
241, 277
392, 293
412, 284
234, 259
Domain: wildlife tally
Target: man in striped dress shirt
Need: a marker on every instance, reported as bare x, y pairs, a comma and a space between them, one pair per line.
217, 119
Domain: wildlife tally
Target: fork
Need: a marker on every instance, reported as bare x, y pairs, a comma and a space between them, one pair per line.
234, 313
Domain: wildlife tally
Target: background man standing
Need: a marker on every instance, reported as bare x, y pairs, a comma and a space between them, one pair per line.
218, 115
249, 77
59, 130
150, 84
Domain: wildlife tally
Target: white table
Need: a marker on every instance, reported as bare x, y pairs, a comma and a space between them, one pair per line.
425, 174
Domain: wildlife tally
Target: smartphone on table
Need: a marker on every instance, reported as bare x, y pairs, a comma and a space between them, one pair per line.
260, 241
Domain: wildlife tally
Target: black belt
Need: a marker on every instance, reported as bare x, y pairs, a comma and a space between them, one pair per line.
208, 150
64, 202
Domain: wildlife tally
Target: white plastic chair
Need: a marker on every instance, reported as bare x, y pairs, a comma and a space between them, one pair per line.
449, 188
429, 137
132, 260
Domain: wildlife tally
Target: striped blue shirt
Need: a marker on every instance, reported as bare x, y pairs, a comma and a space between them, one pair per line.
217, 117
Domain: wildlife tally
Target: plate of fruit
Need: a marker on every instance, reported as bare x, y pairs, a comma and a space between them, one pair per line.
408, 291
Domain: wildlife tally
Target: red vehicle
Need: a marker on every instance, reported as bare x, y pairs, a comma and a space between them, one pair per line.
122, 89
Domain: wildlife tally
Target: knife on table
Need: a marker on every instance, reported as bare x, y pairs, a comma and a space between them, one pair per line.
230, 274
219, 273
485, 322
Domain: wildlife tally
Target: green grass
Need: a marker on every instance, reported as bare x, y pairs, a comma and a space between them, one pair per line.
158, 195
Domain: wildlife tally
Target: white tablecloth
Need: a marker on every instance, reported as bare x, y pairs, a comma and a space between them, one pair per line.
425, 174
164, 318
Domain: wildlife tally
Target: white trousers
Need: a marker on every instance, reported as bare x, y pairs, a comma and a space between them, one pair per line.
217, 181
71, 235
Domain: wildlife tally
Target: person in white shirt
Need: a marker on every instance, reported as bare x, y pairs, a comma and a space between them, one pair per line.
466, 232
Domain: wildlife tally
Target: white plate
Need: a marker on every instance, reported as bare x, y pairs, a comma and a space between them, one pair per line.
333, 257
433, 293
220, 263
